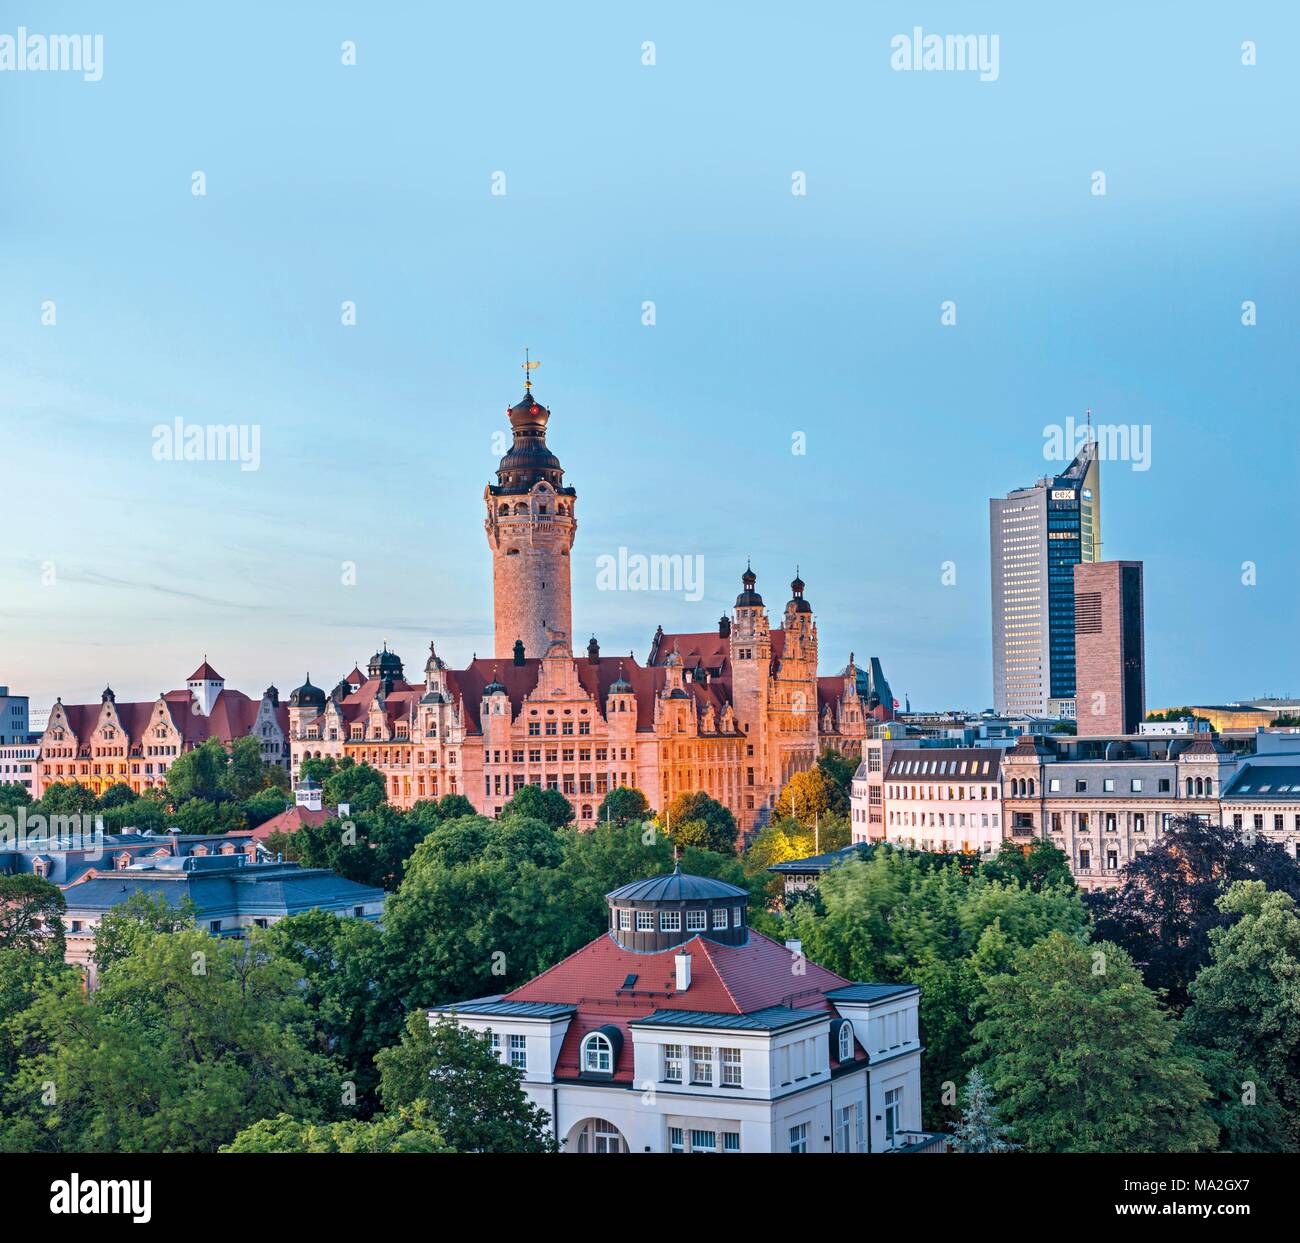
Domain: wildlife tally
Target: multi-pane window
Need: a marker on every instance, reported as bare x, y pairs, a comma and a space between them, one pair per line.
720, 917
799, 1138
670, 921
696, 921
702, 1065
731, 1068
730, 1141
704, 1141
645, 921
496, 1043
519, 1052
735, 916
625, 919
845, 1126
893, 1114
672, 1063
676, 1142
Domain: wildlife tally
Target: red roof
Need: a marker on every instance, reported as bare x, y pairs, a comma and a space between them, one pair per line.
205, 673
290, 821
725, 979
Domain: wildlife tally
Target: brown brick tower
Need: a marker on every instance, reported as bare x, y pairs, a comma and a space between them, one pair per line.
1109, 646
530, 528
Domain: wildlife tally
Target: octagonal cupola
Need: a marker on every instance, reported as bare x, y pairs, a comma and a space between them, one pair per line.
662, 912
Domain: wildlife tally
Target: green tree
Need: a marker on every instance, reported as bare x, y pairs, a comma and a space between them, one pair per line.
361, 787
623, 806
409, 1129
471, 915
895, 917
198, 774
474, 1099
187, 1040
696, 819
122, 927
1082, 1056
246, 772
117, 795
345, 985
14, 795
67, 798
31, 914
534, 803
1245, 1001
979, 1129
1043, 865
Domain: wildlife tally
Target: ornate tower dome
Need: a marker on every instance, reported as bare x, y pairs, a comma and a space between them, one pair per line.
307, 696
530, 527
385, 665
661, 912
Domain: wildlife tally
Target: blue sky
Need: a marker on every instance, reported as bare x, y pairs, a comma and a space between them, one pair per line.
776, 314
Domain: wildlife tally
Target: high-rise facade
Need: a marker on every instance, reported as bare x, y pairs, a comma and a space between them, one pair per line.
1109, 647
1037, 535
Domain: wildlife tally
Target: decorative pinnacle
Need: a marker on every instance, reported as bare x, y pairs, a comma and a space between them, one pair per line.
528, 366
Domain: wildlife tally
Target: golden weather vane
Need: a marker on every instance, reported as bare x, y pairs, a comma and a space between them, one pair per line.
528, 365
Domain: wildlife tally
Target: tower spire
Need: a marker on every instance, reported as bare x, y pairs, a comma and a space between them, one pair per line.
528, 365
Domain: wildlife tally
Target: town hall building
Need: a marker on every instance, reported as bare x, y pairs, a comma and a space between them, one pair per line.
734, 711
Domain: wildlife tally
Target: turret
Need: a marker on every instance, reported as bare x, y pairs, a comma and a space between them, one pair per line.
530, 528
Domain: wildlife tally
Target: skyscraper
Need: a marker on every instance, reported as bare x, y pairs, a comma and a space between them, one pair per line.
1110, 656
1037, 535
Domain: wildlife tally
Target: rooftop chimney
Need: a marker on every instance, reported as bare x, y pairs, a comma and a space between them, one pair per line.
795, 947
683, 965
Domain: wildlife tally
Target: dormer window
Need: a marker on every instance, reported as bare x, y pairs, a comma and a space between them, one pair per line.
598, 1054
846, 1042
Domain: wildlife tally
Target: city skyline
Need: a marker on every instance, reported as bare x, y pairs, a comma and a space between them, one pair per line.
776, 316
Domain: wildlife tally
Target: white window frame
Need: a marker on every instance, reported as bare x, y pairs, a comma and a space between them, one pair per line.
799, 1138
701, 1058
597, 1042
672, 1059
518, 1051
719, 918
732, 1068
846, 1041
645, 921
697, 921
670, 921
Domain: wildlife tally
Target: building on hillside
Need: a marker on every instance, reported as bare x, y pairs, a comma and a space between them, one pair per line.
681, 1030
1110, 660
1037, 535
100, 745
1105, 801
733, 712
229, 893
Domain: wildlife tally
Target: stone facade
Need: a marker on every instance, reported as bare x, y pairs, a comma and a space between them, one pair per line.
103, 744
733, 712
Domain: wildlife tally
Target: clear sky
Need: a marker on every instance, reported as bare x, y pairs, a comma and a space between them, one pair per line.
776, 314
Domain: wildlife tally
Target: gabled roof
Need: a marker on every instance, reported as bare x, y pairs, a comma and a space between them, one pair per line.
205, 673
291, 820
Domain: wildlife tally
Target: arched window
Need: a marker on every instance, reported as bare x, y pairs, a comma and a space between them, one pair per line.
598, 1054
1031, 787
846, 1042
1189, 787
